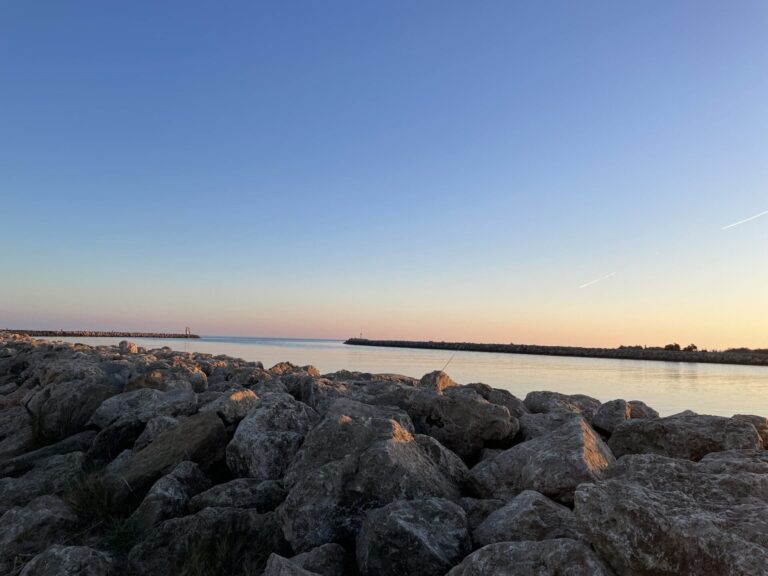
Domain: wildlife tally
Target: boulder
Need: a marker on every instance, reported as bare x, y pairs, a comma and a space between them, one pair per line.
655, 515
29, 530
142, 405
23, 463
425, 537
460, 419
689, 437
16, 432
561, 557
613, 413
70, 561
759, 422
478, 510
501, 397
200, 438
535, 425
63, 408
279, 566
529, 516
553, 402
553, 464
233, 541
358, 457
169, 496
233, 405
52, 475
126, 347
263, 495
326, 560
267, 439
436, 381
153, 429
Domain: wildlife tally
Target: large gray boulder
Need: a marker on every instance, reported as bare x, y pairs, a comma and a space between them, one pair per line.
70, 561
478, 509
233, 541
64, 408
529, 516
263, 495
232, 405
561, 557
425, 537
200, 438
23, 463
759, 422
326, 560
142, 405
280, 566
613, 413
553, 464
501, 397
460, 419
153, 429
535, 425
26, 531
358, 457
16, 432
553, 402
48, 476
267, 439
655, 515
169, 496
689, 437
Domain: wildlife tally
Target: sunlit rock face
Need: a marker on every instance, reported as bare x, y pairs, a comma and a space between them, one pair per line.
117, 460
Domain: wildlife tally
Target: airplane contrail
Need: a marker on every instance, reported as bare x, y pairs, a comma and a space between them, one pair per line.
588, 284
740, 222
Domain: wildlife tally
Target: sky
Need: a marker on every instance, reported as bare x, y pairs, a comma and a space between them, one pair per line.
530, 171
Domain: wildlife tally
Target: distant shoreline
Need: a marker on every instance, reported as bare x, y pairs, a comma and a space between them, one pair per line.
628, 353
97, 334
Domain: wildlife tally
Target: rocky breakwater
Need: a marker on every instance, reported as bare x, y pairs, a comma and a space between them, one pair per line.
124, 461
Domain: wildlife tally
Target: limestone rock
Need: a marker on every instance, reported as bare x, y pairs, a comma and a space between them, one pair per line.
142, 405
529, 516
478, 510
326, 560
425, 537
436, 381
267, 439
553, 464
199, 438
127, 347
549, 402
31, 529
535, 425
64, 408
759, 422
689, 437
169, 496
233, 405
358, 457
153, 429
264, 495
279, 566
224, 540
70, 561
16, 432
655, 515
52, 475
561, 557
613, 413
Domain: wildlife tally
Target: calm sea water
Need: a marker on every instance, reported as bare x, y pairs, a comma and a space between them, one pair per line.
669, 387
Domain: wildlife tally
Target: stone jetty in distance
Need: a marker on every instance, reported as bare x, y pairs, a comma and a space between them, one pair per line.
669, 353
98, 334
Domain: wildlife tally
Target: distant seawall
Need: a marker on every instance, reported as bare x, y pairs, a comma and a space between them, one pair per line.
97, 334
655, 354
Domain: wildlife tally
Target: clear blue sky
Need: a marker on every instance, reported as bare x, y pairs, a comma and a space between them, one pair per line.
429, 169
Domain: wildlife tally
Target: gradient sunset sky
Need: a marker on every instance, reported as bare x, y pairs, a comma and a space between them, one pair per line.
421, 170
